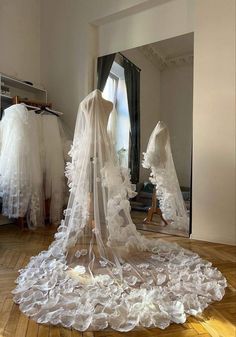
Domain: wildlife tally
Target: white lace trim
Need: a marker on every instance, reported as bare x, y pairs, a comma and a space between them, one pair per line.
178, 283
164, 284
117, 278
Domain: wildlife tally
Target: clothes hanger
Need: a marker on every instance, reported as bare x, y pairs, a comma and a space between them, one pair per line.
31, 107
36, 106
53, 112
58, 113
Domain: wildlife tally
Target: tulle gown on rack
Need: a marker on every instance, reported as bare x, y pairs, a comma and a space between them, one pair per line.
53, 166
21, 179
99, 271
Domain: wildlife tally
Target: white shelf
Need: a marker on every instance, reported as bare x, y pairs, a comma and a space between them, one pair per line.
5, 96
21, 89
13, 82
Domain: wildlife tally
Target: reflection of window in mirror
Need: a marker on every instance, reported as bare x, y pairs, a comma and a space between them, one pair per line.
119, 122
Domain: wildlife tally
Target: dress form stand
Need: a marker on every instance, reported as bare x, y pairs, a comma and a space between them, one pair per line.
154, 210
108, 107
91, 220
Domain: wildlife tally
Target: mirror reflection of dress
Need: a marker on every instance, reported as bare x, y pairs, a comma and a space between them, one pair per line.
100, 271
158, 158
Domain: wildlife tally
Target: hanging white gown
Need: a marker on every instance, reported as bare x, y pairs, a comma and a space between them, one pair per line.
99, 271
31, 165
158, 158
53, 167
21, 186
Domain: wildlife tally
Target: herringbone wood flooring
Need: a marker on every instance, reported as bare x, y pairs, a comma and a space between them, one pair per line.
16, 247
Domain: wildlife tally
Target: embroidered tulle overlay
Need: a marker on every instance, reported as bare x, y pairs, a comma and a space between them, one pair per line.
31, 165
21, 177
99, 272
158, 158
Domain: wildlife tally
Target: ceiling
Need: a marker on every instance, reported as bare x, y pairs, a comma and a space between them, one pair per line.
171, 52
177, 46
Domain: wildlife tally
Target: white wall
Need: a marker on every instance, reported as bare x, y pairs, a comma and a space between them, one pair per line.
177, 111
214, 202
161, 22
149, 101
65, 28
20, 39
69, 48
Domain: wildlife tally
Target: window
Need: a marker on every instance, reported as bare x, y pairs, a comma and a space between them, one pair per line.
119, 122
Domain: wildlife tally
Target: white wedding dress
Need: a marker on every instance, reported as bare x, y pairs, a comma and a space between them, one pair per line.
99, 272
53, 165
21, 178
31, 165
158, 158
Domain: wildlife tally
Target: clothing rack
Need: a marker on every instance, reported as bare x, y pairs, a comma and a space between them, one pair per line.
18, 100
36, 104
127, 60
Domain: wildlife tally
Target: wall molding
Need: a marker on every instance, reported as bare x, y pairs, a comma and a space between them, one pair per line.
162, 62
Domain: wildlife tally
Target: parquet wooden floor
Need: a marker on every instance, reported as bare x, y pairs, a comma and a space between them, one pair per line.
16, 247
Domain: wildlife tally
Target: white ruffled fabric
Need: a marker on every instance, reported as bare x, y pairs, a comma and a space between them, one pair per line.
31, 165
21, 180
158, 158
177, 283
100, 271
53, 167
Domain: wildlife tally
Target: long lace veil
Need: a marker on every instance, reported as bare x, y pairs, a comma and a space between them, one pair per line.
158, 158
99, 272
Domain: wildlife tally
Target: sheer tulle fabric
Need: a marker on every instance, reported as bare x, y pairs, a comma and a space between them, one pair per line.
21, 180
99, 271
158, 158
54, 166
31, 165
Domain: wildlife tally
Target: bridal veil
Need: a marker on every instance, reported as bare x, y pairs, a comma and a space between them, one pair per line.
99, 272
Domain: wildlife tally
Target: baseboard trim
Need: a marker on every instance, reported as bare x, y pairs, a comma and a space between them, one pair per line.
197, 237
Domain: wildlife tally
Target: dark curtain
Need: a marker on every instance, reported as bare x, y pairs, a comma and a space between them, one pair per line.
104, 65
132, 80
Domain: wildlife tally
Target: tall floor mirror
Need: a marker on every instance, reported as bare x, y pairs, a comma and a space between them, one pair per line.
148, 84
